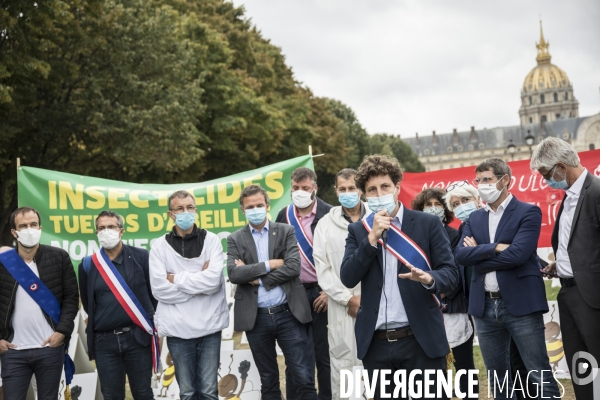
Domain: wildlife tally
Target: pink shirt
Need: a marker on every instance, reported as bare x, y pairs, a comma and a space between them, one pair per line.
307, 272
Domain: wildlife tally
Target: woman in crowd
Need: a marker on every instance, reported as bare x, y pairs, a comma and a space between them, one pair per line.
462, 200
459, 328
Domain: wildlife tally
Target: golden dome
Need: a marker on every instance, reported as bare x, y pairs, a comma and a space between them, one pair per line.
545, 75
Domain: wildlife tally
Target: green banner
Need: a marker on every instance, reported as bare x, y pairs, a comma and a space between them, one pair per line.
68, 204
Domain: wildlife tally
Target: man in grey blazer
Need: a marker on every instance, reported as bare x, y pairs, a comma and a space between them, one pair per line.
270, 301
575, 241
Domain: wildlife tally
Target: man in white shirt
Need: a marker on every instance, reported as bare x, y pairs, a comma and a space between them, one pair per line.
507, 296
576, 244
186, 275
329, 246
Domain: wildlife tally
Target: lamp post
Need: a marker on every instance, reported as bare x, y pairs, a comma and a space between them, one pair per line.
511, 149
529, 140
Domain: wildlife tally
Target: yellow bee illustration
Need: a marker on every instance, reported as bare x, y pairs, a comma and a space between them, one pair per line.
554, 344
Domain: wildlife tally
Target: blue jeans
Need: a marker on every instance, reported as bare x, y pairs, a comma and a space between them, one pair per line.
494, 330
19, 365
196, 363
317, 350
120, 355
291, 336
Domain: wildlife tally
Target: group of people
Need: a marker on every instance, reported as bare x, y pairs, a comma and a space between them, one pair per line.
369, 282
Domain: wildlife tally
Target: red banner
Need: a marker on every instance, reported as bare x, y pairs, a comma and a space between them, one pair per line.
525, 185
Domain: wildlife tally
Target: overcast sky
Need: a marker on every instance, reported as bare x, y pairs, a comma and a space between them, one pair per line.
417, 66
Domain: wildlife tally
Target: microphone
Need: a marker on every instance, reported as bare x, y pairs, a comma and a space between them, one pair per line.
385, 231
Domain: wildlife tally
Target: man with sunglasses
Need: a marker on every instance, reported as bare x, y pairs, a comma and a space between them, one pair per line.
186, 274
507, 294
575, 240
119, 347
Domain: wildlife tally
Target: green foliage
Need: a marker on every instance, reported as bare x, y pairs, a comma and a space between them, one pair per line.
159, 91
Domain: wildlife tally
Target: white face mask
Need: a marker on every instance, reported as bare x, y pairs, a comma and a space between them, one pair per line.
29, 237
109, 238
302, 199
489, 192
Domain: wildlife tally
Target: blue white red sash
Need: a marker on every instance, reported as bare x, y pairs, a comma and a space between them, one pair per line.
128, 301
403, 248
39, 292
305, 245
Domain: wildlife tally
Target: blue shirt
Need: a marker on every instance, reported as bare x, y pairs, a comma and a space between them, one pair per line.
276, 296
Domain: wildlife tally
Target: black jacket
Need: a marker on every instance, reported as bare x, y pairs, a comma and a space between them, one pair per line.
583, 249
362, 264
137, 278
456, 301
57, 273
322, 210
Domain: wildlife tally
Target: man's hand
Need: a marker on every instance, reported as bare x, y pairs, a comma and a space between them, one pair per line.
550, 270
353, 306
276, 263
381, 222
4, 346
239, 263
255, 282
469, 242
320, 303
500, 247
206, 265
55, 340
417, 275
171, 277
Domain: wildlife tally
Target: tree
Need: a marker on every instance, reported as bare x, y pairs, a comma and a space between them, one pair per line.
391, 145
161, 91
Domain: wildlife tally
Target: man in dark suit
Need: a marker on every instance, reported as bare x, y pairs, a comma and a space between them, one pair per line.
119, 346
399, 325
575, 241
304, 213
507, 295
270, 302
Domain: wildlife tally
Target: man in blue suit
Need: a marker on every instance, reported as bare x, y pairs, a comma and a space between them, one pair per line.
399, 325
507, 296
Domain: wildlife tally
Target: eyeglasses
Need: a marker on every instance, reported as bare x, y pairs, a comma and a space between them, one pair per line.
179, 210
550, 173
457, 184
485, 180
111, 227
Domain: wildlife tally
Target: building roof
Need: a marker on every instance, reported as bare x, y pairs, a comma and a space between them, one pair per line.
493, 138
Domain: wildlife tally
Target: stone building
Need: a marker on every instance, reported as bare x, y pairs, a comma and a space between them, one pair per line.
548, 108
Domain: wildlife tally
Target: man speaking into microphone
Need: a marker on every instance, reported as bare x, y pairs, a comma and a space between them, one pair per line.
399, 325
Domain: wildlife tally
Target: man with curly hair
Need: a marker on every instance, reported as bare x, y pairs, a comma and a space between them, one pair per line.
399, 325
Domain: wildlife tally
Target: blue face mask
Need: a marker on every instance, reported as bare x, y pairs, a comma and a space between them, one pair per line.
349, 199
256, 216
463, 211
185, 220
386, 202
557, 185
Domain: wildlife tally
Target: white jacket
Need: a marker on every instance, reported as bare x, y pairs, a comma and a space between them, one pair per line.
329, 245
194, 305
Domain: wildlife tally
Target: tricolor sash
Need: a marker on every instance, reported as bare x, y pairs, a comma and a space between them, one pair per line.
39, 292
304, 243
128, 301
404, 249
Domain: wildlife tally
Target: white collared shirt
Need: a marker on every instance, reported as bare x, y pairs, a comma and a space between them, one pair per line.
563, 262
491, 282
391, 301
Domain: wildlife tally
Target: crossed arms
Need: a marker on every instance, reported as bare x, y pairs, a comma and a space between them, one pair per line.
279, 271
